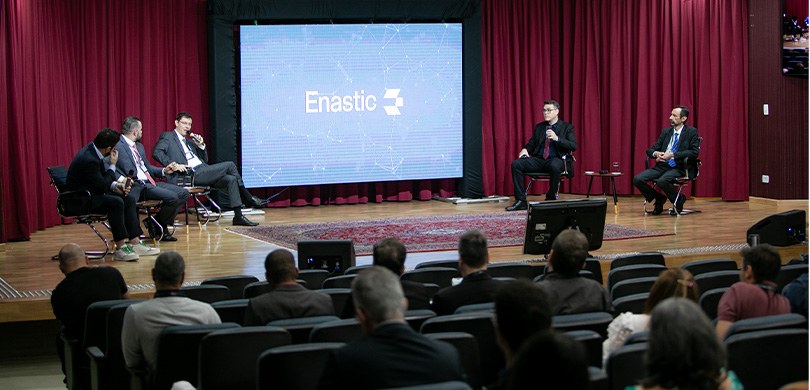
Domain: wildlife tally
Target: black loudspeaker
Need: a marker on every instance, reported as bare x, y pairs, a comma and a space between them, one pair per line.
335, 256
781, 229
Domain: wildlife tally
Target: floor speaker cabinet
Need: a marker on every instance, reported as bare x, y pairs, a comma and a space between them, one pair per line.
335, 256
781, 229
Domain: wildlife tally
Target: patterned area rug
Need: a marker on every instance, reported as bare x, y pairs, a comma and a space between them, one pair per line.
419, 234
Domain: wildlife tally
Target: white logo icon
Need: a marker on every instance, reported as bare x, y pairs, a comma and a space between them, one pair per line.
398, 102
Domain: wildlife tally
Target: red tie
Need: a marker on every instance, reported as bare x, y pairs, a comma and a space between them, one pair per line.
141, 165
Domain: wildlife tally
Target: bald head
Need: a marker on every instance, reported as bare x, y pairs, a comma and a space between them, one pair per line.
71, 257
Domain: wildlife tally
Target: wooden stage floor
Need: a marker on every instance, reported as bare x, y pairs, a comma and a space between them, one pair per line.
27, 273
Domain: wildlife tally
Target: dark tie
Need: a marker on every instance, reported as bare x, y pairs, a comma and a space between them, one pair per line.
671, 161
546, 144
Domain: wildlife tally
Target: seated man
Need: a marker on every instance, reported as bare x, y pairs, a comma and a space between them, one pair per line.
674, 146
173, 146
569, 292
390, 354
144, 321
132, 158
93, 170
550, 140
477, 285
287, 299
755, 295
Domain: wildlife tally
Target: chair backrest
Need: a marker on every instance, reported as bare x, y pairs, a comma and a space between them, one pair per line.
625, 366
116, 371
235, 283
58, 176
438, 263
451, 385
637, 337
486, 306
415, 318
481, 326
178, 353
208, 293
231, 310
595, 267
342, 281
95, 323
340, 301
595, 321
698, 267
340, 331
716, 279
511, 270
300, 328
467, 348
768, 359
637, 259
632, 272
356, 269
788, 273
598, 378
314, 277
592, 342
631, 286
631, 303
781, 321
583, 273
709, 301
440, 276
294, 366
229, 358
253, 290
431, 289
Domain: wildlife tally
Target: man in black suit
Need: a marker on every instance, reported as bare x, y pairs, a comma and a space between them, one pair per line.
390, 354
390, 253
132, 158
477, 285
674, 146
287, 299
173, 146
551, 140
93, 170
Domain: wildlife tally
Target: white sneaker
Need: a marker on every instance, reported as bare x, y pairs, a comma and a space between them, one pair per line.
125, 253
144, 250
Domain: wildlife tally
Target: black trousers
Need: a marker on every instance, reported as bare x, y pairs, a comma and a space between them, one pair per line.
664, 177
554, 166
113, 206
224, 177
171, 195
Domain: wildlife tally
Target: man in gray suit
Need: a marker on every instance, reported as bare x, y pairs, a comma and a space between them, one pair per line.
287, 299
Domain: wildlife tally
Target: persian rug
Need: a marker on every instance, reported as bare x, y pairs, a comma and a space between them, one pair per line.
419, 234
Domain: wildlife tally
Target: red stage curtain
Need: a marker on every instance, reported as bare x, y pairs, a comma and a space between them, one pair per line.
617, 67
797, 9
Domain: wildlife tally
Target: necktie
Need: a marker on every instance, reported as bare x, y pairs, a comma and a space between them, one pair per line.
141, 165
674, 149
546, 144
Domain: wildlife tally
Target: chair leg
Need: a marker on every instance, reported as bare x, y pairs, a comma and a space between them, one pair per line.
98, 254
529, 186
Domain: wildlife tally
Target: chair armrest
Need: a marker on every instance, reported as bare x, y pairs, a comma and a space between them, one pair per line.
71, 350
98, 364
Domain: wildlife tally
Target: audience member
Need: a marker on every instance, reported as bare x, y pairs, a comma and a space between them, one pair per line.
550, 360
144, 321
755, 295
390, 354
477, 286
522, 309
570, 293
674, 282
683, 351
796, 294
287, 299
390, 253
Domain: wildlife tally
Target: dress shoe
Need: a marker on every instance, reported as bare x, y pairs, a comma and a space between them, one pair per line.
243, 221
168, 238
659, 205
518, 205
255, 201
677, 209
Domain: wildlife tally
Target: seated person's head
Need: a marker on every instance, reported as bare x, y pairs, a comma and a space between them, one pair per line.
568, 252
105, 140
683, 350
378, 297
71, 257
169, 271
472, 251
390, 253
279, 267
760, 263
672, 283
521, 309
550, 360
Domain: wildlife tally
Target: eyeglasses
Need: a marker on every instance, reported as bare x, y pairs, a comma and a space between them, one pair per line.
549, 109
184, 123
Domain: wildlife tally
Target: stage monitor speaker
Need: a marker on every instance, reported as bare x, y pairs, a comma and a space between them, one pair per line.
335, 256
781, 229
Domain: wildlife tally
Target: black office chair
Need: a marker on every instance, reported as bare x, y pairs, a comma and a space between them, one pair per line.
698, 267
255, 289
342, 281
294, 366
709, 301
592, 342
633, 272
340, 301
768, 359
440, 276
595, 321
76, 205
788, 273
631, 303
781, 321
208, 293
632, 286
438, 263
235, 283
229, 357
511, 270
467, 348
231, 310
625, 366
107, 367
638, 259
485, 307
595, 266
300, 328
567, 173
431, 289
314, 277
356, 269
716, 279
691, 175
340, 331
415, 318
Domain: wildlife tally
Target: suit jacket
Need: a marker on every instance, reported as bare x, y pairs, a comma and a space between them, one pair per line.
565, 131
477, 287
126, 160
415, 292
168, 149
688, 147
287, 301
392, 355
88, 172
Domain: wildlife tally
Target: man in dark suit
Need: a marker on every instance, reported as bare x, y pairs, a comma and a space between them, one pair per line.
551, 140
132, 158
93, 170
287, 299
390, 354
477, 285
173, 146
674, 146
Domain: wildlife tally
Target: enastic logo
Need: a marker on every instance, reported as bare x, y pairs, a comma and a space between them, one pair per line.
398, 102
316, 102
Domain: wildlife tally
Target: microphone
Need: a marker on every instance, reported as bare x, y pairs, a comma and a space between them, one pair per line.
195, 137
130, 175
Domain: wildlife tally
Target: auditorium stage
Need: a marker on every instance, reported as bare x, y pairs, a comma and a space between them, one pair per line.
27, 273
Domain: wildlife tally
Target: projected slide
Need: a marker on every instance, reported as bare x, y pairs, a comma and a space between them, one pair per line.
350, 103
